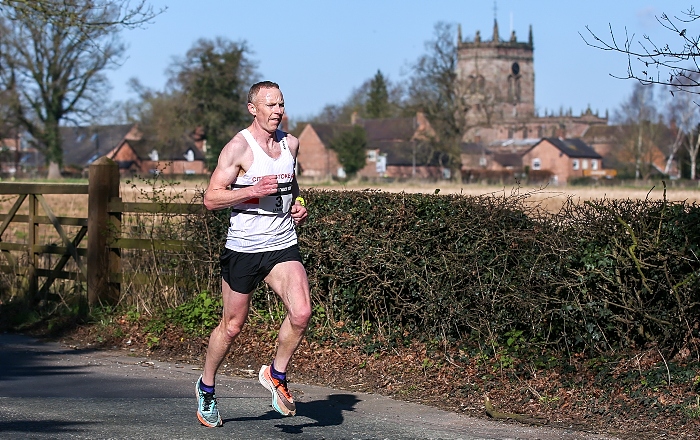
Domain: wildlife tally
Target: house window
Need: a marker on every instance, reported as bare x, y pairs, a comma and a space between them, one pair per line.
594, 164
482, 161
189, 172
536, 163
584, 165
575, 163
371, 155
380, 166
189, 156
154, 155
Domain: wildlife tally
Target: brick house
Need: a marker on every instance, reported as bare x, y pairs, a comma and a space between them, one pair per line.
316, 161
139, 156
17, 156
83, 145
396, 148
565, 159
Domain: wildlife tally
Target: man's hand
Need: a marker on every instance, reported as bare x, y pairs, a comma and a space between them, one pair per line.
298, 213
266, 186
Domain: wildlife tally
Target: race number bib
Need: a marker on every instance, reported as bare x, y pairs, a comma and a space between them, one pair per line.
275, 204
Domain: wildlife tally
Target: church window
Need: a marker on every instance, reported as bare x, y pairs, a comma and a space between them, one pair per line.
536, 163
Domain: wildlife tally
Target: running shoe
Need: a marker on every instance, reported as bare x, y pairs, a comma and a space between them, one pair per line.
207, 412
282, 400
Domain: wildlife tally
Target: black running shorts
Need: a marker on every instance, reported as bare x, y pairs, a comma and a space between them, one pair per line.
244, 271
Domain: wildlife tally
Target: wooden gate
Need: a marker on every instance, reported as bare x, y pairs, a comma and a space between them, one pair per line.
39, 212
98, 262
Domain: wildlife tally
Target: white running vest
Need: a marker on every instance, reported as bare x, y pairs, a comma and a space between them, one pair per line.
264, 224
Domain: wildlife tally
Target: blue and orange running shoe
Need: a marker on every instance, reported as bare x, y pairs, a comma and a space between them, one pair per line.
207, 411
282, 400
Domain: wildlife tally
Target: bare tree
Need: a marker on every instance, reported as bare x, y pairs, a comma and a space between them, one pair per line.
672, 64
639, 131
693, 147
124, 13
436, 89
683, 117
453, 104
52, 58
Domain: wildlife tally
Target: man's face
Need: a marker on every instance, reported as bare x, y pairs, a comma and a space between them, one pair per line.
268, 108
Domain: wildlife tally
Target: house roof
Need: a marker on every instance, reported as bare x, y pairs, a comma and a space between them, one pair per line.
82, 145
509, 160
573, 147
396, 129
326, 132
175, 150
514, 146
473, 148
401, 153
600, 131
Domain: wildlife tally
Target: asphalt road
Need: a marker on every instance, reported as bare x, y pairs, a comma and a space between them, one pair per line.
48, 391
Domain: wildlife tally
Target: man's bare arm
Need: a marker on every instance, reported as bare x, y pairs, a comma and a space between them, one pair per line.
218, 196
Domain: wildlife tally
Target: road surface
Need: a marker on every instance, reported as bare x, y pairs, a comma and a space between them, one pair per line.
49, 391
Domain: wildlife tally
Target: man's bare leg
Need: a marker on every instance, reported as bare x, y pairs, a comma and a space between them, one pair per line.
289, 281
235, 313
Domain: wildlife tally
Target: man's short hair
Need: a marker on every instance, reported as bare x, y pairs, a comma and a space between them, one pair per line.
260, 85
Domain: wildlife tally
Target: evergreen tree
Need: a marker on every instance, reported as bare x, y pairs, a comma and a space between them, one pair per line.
377, 105
350, 146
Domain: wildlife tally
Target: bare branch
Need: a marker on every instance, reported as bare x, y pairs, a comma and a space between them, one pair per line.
652, 63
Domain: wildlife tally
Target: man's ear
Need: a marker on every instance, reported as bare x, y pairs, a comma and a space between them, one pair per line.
251, 108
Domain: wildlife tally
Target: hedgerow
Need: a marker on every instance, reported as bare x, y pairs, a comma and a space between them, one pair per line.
601, 275
597, 276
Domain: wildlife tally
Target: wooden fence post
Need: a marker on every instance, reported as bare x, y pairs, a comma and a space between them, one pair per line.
103, 229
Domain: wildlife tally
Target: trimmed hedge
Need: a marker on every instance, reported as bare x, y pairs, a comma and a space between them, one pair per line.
602, 275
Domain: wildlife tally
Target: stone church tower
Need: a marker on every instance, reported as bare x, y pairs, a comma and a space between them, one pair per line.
499, 76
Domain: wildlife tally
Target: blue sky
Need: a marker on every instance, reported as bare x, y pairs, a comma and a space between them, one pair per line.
320, 50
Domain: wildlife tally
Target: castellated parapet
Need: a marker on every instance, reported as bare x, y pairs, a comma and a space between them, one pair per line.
498, 75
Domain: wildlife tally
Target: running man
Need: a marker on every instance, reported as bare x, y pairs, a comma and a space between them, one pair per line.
255, 178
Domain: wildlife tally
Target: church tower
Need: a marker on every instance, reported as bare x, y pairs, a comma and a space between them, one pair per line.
498, 77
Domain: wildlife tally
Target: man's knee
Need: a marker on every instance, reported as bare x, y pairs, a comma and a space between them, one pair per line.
232, 328
299, 317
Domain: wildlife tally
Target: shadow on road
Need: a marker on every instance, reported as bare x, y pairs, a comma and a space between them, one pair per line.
328, 412
44, 426
17, 361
